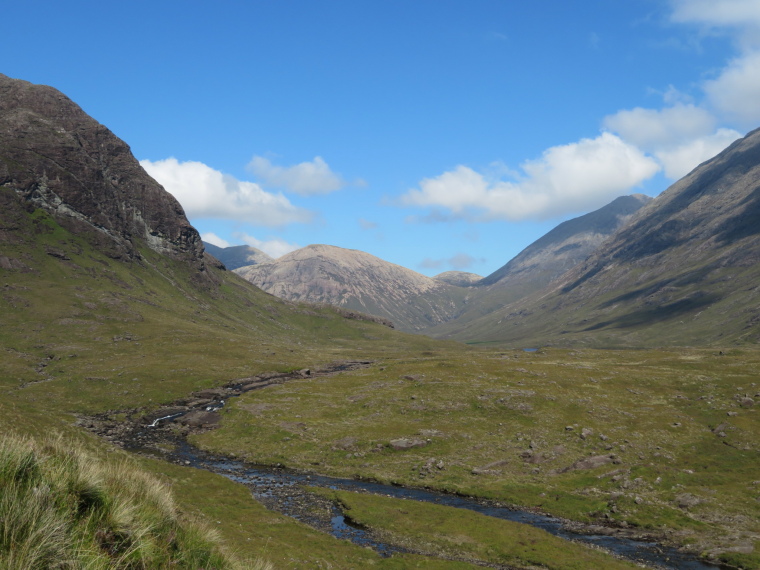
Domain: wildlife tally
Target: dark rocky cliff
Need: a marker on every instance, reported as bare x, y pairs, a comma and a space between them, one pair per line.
56, 157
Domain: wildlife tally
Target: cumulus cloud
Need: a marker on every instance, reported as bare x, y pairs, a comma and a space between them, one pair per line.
653, 128
726, 13
274, 247
735, 93
213, 239
680, 137
569, 178
679, 160
208, 193
429, 263
306, 178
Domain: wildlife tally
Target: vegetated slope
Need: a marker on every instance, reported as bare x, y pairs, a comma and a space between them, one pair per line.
358, 281
237, 255
62, 507
684, 270
107, 299
102, 273
543, 261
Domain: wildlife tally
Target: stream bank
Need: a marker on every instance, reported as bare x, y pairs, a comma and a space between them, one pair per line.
163, 433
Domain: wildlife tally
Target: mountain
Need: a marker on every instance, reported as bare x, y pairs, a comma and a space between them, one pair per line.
564, 247
458, 278
237, 255
358, 281
684, 270
543, 261
56, 157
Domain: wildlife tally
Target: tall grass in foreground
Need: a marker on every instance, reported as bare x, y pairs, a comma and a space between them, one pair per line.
63, 508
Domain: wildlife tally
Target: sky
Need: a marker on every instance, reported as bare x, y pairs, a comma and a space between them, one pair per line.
435, 134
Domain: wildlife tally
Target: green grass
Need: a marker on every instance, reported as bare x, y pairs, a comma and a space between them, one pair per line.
61, 507
509, 425
459, 533
89, 334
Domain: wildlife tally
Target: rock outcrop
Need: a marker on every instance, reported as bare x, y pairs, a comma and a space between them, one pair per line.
56, 157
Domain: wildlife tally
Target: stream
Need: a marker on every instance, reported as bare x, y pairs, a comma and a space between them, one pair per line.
283, 489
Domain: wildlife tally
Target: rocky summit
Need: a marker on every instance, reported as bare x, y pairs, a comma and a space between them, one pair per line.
358, 281
55, 157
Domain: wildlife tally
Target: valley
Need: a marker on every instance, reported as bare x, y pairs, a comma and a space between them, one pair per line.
634, 413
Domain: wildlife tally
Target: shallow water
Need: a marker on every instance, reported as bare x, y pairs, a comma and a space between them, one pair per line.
267, 482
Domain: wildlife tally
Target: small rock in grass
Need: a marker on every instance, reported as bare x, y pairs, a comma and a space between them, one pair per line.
407, 443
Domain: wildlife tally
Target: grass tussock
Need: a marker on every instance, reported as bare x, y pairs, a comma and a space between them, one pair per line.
61, 507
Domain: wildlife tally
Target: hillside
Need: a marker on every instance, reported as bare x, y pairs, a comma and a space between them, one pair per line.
358, 281
113, 316
543, 261
237, 255
684, 270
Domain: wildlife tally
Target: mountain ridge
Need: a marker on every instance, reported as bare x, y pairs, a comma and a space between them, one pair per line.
683, 270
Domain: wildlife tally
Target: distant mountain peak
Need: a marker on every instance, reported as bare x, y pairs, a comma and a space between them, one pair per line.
458, 278
358, 281
236, 256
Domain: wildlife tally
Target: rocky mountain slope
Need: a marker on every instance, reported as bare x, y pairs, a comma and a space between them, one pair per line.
55, 157
358, 281
543, 261
237, 255
564, 247
683, 270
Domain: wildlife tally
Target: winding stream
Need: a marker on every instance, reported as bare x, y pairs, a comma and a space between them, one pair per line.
283, 489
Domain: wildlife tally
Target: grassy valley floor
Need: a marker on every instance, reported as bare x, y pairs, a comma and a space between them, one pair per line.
663, 442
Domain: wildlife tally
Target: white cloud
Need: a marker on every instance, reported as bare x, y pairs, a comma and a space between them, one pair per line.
736, 91
306, 178
568, 178
208, 193
714, 13
651, 128
678, 161
367, 224
275, 247
213, 239
680, 137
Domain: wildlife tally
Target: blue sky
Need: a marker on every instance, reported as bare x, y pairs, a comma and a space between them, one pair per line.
434, 134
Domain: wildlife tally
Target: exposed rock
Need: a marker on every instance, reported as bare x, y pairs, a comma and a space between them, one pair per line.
491, 468
592, 462
55, 157
345, 444
407, 443
200, 418
687, 500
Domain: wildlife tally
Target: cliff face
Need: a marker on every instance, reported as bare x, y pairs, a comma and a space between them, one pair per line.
56, 157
